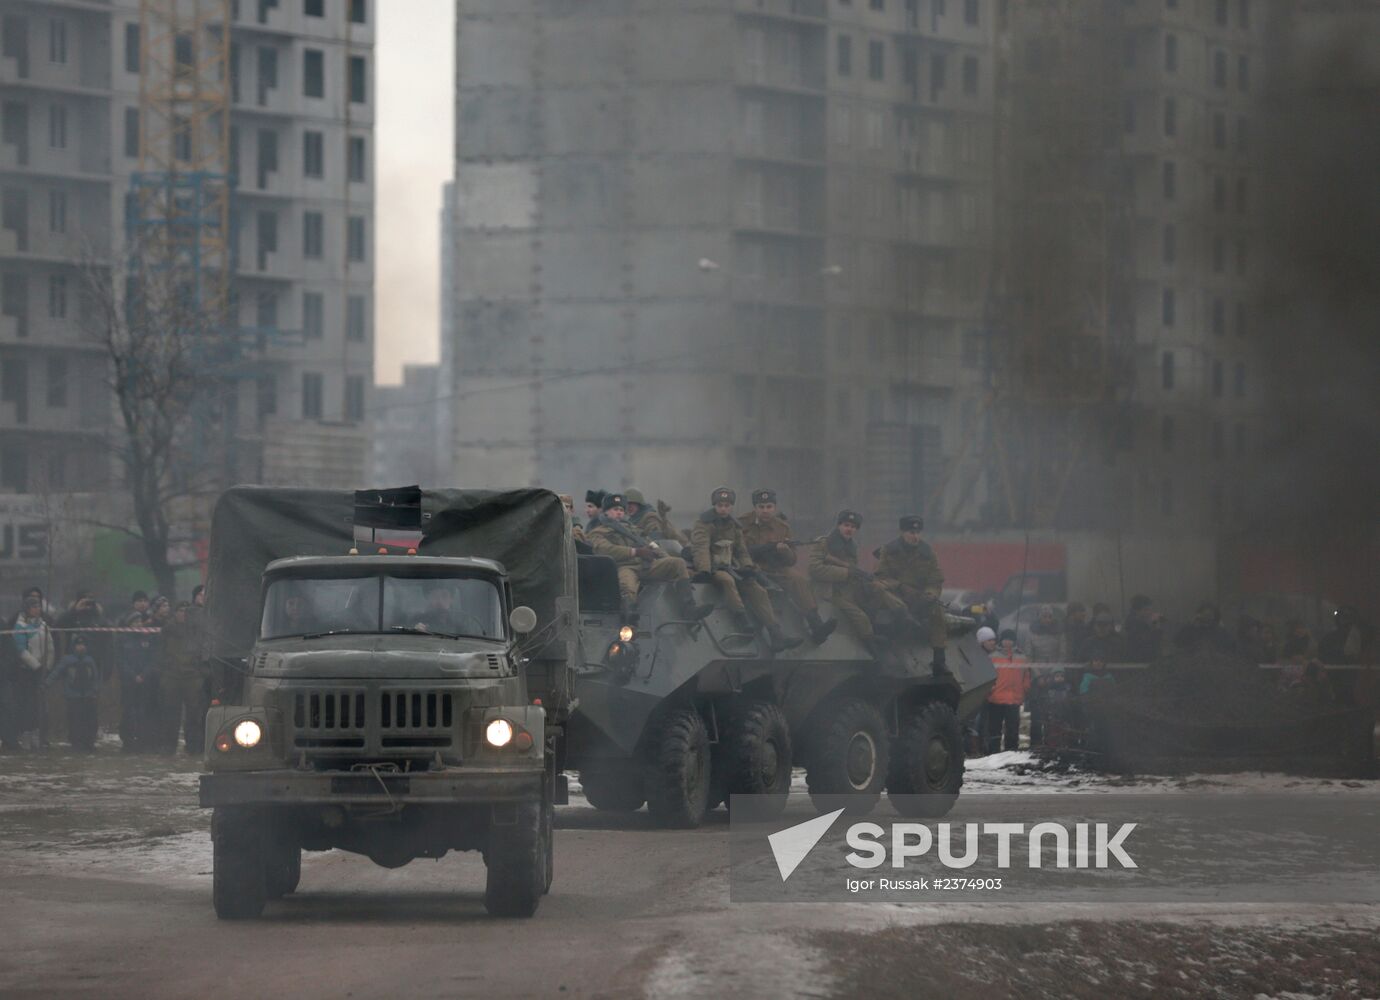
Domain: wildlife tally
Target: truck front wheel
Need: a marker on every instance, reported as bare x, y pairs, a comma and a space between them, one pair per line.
849, 756
239, 870
611, 788
284, 868
517, 859
758, 757
927, 766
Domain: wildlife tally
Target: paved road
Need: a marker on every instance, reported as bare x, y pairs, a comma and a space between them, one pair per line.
105, 868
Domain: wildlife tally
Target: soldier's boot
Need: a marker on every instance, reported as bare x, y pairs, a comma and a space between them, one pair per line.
778, 640
939, 666
819, 628
685, 597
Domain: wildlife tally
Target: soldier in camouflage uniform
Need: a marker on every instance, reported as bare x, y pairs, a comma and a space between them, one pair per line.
721, 553
768, 538
909, 569
639, 560
594, 506
853, 591
652, 522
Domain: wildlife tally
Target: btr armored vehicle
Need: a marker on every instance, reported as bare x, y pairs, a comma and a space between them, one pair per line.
394, 705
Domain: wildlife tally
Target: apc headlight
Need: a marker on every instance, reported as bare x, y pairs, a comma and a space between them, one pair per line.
498, 733
248, 733
626, 633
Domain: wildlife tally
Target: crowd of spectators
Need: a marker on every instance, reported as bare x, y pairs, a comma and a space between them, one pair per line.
151, 653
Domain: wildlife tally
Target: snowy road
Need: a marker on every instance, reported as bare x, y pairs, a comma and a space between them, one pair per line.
105, 864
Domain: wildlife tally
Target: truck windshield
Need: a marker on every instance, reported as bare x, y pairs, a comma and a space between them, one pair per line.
451, 606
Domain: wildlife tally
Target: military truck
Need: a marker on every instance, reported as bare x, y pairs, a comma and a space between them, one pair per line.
399, 701
681, 714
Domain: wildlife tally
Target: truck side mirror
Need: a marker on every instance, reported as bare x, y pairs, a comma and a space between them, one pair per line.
523, 619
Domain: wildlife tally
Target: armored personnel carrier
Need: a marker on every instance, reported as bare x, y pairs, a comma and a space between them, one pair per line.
681, 714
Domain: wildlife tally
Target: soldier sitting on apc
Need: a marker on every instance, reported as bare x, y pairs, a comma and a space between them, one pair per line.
853, 591
594, 505
640, 561
721, 553
652, 522
768, 538
909, 569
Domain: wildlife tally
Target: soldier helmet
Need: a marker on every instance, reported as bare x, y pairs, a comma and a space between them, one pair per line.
912, 522
763, 496
595, 497
723, 495
612, 500
849, 517
635, 496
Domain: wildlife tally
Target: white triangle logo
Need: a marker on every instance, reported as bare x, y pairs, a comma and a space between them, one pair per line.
792, 844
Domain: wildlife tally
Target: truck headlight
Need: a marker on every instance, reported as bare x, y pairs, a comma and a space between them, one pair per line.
248, 733
626, 633
498, 733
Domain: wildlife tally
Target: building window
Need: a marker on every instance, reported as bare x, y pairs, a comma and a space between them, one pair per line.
266, 311
938, 73
311, 396
57, 40
14, 468
14, 388
1219, 68
132, 133
1219, 131
1217, 380
1167, 307
356, 159
874, 124
266, 395
1167, 370
267, 70
843, 125
359, 11
877, 4
970, 75
355, 319
57, 211
1219, 316
1166, 434
313, 235
1170, 248
313, 315
313, 155
267, 238
314, 8
1171, 53
354, 398
182, 138
844, 55
131, 48
1243, 72
1241, 195
57, 126
354, 239
14, 302
876, 61
313, 73
1168, 179
57, 383
970, 12
1171, 117
1219, 193
1243, 14
358, 74
268, 156
1240, 256
1221, 12
1241, 319
1238, 380
57, 297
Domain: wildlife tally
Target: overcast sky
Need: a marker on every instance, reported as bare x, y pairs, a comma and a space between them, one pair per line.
412, 159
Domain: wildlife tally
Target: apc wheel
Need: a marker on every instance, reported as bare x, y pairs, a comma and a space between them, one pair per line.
238, 869
283, 869
548, 822
927, 767
850, 757
679, 775
517, 863
757, 757
613, 789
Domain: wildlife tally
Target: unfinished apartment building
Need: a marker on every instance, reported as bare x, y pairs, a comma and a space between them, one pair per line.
718, 243
300, 151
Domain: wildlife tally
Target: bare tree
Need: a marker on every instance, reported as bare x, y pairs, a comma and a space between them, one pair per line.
164, 353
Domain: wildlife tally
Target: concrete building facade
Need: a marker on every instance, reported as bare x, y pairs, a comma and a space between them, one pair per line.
301, 151
405, 422
718, 242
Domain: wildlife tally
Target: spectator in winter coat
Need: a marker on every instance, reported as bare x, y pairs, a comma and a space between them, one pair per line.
1143, 631
85, 613
1205, 632
1004, 702
1076, 633
135, 653
81, 686
183, 683
1046, 645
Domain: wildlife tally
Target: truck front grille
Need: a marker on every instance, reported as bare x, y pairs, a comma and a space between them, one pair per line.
346, 719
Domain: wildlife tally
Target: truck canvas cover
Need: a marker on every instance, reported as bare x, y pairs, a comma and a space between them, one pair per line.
526, 530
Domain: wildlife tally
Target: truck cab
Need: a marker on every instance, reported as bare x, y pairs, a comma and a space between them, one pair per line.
385, 711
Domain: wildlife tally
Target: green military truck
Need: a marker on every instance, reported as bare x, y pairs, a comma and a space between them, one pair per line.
398, 702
